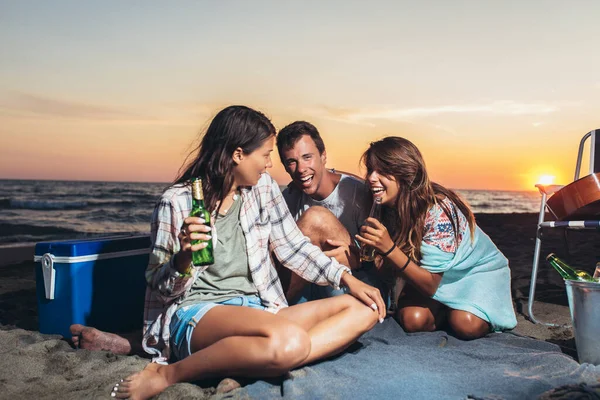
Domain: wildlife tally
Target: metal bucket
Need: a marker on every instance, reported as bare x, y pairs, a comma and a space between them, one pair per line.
584, 304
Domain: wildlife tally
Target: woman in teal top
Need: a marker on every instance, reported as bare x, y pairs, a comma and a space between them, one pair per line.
454, 272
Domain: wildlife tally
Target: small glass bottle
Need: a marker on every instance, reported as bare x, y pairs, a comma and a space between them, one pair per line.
566, 271
367, 253
204, 256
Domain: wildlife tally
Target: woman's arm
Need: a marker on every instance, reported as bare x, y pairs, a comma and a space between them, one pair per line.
375, 234
163, 275
423, 280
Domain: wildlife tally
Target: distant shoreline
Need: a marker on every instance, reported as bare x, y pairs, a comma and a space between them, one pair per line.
281, 185
17, 252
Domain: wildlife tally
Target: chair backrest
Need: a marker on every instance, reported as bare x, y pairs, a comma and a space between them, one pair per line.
594, 137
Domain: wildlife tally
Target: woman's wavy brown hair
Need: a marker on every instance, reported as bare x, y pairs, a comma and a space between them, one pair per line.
232, 127
398, 158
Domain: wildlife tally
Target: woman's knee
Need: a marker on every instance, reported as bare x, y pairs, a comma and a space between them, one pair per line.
362, 313
288, 345
362, 316
414, 319
467, 326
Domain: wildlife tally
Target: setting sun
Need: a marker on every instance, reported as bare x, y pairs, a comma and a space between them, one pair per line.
546, 180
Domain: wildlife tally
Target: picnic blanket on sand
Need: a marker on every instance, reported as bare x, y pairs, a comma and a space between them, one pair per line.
389, 363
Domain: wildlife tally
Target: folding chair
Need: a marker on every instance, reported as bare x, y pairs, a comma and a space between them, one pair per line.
574, 206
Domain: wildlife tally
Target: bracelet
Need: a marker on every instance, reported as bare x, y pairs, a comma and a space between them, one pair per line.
405, 265
387, 253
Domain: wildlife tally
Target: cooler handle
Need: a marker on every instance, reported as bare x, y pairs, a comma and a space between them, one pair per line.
49, 275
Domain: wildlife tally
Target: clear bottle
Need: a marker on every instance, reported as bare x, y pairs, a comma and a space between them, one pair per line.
204, 256
367, 253
568, 272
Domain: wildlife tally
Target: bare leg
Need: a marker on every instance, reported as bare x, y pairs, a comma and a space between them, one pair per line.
228, 341
333, 324
419, 313
319, 224
467, 326
86, 337
239, 341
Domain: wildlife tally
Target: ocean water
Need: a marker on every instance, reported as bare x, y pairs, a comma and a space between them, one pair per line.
34, 211
501, 201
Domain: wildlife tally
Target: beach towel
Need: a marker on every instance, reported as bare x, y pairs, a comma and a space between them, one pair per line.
476, 279
389, 363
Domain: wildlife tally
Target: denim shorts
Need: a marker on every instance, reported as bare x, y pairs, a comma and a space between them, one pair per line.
186, 318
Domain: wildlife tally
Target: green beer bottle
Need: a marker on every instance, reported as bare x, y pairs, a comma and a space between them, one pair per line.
204, 256
568, 272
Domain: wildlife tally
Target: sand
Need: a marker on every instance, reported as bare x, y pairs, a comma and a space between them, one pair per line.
47, 367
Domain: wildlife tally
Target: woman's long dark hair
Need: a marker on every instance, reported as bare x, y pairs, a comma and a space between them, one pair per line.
398, 158
232, 127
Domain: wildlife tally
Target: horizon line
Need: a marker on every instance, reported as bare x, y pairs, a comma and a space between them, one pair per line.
280, 184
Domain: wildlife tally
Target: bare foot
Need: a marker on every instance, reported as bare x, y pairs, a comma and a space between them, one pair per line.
227, 385
142, 385
85, 337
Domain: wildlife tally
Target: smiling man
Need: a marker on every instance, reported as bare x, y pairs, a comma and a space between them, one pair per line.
329, 208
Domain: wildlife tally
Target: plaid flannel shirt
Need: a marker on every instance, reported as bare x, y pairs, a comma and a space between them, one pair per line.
267, 225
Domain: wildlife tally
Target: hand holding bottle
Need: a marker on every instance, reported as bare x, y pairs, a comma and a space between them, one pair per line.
194, 229
373, 233
202, 256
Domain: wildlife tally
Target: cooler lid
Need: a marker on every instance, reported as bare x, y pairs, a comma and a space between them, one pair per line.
93, 246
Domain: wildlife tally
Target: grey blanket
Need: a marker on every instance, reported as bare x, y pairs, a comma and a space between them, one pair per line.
389, 363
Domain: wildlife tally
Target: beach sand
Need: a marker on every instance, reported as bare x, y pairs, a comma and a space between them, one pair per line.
47, 367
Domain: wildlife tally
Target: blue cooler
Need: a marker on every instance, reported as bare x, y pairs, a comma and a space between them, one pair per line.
97, 282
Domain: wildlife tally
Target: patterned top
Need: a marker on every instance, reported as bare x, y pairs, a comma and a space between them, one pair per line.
476, 275
267, 225
439, 231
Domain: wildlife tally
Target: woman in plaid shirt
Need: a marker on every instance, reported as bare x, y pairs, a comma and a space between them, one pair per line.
231, 318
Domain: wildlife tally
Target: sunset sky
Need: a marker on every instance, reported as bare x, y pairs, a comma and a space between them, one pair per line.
494, 93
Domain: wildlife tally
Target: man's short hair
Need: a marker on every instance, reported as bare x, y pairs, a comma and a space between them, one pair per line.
288, 136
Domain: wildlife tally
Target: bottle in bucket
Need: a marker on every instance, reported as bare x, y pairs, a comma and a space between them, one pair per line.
568, 272
367, 253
